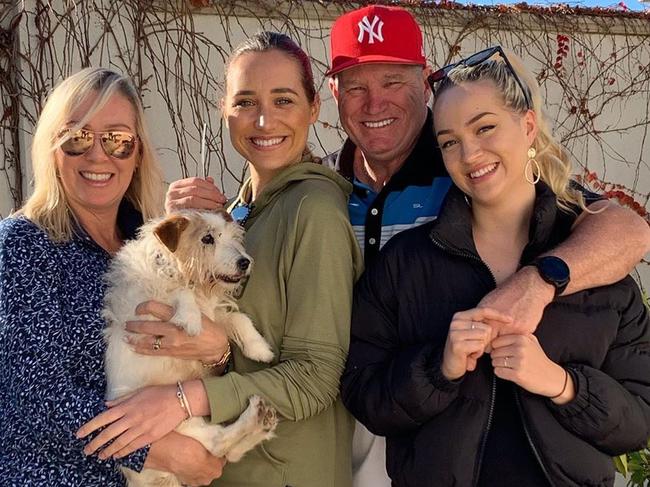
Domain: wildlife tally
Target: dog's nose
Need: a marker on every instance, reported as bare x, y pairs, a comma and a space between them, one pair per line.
243, 263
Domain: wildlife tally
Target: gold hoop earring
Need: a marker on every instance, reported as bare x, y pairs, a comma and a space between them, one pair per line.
531, 160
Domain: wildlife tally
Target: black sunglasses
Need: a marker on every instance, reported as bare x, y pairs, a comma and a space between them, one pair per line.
115, 143
474, 60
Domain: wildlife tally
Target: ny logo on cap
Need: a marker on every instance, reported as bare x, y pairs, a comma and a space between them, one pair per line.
372, 29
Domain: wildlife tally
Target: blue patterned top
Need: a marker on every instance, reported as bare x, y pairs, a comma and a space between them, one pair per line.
51, 359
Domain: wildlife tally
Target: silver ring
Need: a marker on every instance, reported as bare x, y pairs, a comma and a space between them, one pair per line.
472, 326
505, 362
157, 343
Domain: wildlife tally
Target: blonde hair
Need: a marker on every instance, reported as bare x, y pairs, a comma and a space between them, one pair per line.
48, 205
554, 162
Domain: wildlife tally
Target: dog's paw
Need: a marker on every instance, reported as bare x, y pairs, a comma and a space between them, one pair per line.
265, 421
259, 350
267, 417
188, 313
191, 325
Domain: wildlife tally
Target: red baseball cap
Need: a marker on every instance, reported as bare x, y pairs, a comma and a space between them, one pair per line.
375, 34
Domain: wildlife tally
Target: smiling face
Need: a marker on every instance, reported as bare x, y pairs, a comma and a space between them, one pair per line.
484, 144
94, 181
382, 108
267, 110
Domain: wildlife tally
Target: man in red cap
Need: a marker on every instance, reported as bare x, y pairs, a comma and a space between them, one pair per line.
378, 77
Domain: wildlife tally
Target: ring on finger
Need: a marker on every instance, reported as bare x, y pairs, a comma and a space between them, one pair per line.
156, 343
505, 362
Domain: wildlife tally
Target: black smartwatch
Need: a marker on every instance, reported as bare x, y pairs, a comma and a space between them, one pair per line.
554, 271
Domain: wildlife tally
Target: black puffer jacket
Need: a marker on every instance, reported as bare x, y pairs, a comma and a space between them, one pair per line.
435, 428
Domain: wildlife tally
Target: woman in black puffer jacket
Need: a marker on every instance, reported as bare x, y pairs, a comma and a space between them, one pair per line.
458, 406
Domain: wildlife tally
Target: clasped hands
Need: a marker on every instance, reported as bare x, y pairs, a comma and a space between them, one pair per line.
516, 357
503, 325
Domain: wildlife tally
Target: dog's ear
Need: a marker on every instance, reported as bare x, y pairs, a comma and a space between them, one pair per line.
170, 229
226, 216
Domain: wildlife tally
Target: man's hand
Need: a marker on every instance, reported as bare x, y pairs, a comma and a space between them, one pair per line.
523, 297
193, 194
186, 458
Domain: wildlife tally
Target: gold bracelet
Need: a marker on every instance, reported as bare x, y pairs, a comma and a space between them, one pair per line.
223, 360
182, 398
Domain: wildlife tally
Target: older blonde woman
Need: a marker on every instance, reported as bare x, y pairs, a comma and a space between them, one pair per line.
95, 179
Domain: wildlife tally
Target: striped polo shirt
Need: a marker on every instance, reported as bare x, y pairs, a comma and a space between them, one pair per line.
411, 197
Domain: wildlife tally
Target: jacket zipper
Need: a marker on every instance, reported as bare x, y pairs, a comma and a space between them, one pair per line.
530, 439
518, 401
479, 462
477, 468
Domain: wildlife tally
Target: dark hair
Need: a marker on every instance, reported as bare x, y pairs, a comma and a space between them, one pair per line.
266, 41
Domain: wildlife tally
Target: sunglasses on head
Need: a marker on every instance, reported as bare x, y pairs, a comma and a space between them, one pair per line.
475, 60
117, 144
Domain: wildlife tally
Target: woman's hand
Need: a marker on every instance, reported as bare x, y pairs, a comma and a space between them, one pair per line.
521, 359
208, 346
186, 458
134, 421
469, 334
193, 194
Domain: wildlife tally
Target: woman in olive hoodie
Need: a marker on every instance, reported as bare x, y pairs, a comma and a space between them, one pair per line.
306, 261
299, 294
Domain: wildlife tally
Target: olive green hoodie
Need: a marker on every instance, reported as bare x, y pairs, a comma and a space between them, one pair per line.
299, 296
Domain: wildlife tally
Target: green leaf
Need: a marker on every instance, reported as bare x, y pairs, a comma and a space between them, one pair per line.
635, 466
621, 464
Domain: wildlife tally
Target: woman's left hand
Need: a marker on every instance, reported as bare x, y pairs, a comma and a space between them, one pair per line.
208, 346
521, 359
134, 421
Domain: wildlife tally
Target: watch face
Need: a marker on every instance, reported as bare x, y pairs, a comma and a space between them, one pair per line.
554, 269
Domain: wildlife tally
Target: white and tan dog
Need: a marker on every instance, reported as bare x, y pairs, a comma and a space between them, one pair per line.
193, 261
